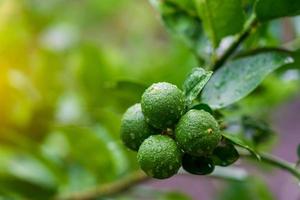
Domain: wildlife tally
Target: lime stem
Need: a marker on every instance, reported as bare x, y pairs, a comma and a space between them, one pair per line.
249, 27
276, 162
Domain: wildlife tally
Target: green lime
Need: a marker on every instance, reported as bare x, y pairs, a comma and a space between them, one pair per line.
197, 165
159, 157
197, 133
163, 104
134, 129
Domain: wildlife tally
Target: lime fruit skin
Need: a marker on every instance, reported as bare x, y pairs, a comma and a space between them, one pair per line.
134, 128
197, 133
159, 157
163, 104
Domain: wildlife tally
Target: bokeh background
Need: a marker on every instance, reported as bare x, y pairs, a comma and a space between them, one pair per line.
70, 68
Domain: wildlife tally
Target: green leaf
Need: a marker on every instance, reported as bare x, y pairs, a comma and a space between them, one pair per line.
23, 174
92, 169
125, 89
220, 18
26, 188
295, 65
225, 154
271, 9
180, 17
126, 85
197, 165
238, 78
203, 106
195, 82
118, 157
237, 141
256, 129
186, 5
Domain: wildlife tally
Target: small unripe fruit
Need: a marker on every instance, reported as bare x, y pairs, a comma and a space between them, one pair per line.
159, 157
134, 129
163, 104
197, 133
197, 165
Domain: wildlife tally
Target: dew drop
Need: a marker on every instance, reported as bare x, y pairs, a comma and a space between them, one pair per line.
217, 85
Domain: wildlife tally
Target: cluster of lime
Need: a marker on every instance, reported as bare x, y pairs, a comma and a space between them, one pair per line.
168, 136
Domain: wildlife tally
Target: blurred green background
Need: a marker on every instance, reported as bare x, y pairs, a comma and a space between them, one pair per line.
68, 70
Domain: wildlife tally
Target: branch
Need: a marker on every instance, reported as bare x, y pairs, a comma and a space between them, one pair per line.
228, 173
108, 189
250, 26
276, 162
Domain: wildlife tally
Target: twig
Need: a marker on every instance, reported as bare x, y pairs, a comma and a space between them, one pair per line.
276, 162
108, 189
229, 173
250, 26
139, 177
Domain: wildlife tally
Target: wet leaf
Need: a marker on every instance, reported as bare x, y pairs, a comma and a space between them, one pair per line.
197, 165
257, 130
180, 18
220, 18
195, 82
225, 154
204, 107
237, 141
238, 78
280, 8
